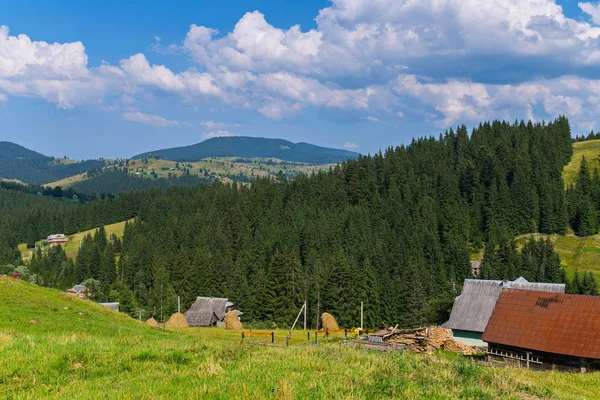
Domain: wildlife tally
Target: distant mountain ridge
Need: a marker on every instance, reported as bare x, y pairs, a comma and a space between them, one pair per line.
251, 147
18, 162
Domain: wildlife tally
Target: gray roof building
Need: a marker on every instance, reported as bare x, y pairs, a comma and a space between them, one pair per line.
208, 311
473, 308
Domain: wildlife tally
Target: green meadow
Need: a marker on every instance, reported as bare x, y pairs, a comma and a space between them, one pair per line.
55, 346
74, 243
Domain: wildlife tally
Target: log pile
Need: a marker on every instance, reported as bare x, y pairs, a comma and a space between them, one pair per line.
421, 339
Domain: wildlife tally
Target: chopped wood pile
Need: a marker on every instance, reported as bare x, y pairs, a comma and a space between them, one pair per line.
422, 339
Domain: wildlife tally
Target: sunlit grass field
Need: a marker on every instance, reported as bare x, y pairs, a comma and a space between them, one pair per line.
74, 243
589, 149
576, 253
59, 347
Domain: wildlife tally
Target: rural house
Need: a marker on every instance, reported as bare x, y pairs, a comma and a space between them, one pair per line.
79, 291
56, 240
473, 308
209, 311
553, 329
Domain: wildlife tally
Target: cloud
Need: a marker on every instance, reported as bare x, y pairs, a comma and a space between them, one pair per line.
149, 119
218, 133
445, 61
592, 9
351, 146
213, 124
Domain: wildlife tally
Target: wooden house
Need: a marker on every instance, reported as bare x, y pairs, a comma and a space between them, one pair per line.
554, 330
57, 240
473, 308
79, 291
209, 311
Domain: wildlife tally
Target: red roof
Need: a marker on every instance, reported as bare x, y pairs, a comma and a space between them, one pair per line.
565, 324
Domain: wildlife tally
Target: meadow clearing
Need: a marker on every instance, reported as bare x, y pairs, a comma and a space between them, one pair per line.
56, 346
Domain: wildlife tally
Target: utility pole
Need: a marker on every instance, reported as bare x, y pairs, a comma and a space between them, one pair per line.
305, 314
318, 307
178, 304
361, 316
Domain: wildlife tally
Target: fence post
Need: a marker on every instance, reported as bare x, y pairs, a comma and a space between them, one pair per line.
346, 333
242, 336
272, 337
308, 339
287, 341
317, 337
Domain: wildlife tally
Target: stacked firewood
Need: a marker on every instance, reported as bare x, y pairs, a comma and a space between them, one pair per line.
422, 339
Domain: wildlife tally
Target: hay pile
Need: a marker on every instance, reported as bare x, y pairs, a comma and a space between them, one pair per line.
177, 320
457, 347
329, 322
439, 336
152, 322
232, 322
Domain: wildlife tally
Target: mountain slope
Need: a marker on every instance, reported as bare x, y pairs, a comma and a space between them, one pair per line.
18, 162
240, 146
13, 151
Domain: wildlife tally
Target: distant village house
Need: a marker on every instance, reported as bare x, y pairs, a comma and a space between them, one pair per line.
78, 291
57, 240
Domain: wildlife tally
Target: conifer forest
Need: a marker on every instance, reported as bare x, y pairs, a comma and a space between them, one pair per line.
395, 230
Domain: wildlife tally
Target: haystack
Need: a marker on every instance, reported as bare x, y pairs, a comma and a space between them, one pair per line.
232, 322
152, 322
177, 320
329, 322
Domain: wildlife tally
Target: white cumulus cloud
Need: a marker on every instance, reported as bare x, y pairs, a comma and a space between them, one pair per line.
149, 119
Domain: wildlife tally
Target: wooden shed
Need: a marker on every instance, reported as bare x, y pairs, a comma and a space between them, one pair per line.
473, 308
552, 329
209, 311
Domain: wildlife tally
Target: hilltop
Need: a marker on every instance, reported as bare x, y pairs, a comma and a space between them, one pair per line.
59, 347
28, 166
251, 147
590, 149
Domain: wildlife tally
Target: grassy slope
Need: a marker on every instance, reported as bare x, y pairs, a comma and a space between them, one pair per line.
55, 346
581, 253
72, 247
221, 168
591, 150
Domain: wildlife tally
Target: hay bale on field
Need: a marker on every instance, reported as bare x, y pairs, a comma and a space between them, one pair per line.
329, 323
152, 322
232, 322
177, 320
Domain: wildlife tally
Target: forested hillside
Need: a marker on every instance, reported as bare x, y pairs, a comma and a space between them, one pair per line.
17, 162
114, 181
393, 230
240, 146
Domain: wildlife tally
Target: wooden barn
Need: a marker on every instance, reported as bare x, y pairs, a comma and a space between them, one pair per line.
79, 291
209, 311
473, 308
555, 331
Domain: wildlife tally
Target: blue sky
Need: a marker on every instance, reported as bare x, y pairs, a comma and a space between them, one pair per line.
116, 78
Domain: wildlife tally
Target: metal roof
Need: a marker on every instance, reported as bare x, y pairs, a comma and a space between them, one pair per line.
112, 306
473, 308
559, 323
203, 307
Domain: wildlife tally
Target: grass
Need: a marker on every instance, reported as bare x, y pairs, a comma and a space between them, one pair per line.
576, 253
74, 243
591, 150
55, 346
219, 168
